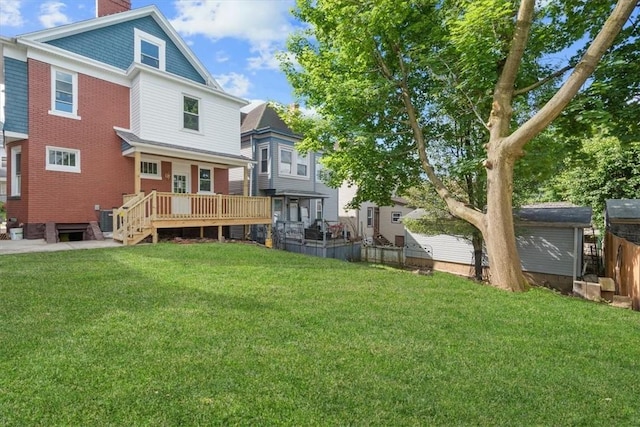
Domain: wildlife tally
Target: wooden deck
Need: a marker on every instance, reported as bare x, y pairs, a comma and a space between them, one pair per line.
142, 215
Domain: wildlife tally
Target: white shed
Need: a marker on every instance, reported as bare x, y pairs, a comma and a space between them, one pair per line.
549, 239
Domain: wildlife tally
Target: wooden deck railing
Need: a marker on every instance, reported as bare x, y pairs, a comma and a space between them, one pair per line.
218, 206
141, 215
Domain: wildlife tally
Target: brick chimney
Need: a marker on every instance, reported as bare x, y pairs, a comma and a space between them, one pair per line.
109, 7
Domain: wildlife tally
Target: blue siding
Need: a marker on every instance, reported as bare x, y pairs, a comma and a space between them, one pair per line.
16, 96
114, 45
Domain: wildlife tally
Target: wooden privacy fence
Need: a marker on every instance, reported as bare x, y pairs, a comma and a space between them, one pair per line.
622, 263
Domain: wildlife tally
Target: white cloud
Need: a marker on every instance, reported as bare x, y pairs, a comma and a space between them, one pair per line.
264, 24
52, 15
221, 56
234, 83
10, 15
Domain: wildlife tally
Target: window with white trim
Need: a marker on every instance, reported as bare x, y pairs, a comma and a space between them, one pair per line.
63, 159
149, 50
205, 176
190, 113
264, 160
319, 168
16, 171
318, 209
396, 217
369, 217
150, 169
64, 93
292, 163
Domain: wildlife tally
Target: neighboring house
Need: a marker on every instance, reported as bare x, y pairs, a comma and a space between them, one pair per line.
373, 223
118, 109
292, 179
550, 245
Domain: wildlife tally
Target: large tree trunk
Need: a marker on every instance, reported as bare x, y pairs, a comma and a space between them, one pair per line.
499, 234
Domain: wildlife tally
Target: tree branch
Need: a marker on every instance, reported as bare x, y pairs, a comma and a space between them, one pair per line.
456, 207
525, 133
542, 81
501, 109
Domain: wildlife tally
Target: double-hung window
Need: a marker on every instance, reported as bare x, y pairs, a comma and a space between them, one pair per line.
191, 113
63, 159
369, 217
286, 159
319, 169
292, 163
264, 160
64, 93
149, 50
205, 176
396, 217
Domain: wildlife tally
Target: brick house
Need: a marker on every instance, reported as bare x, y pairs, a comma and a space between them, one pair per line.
106, 112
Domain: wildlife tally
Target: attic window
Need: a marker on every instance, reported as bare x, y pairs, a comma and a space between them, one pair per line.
149, 50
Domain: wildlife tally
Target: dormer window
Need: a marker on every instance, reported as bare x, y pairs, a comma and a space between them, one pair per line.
149, 50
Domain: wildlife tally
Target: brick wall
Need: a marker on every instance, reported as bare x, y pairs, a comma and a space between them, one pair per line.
67, 197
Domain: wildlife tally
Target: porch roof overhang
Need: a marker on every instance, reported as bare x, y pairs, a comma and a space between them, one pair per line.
300, 194
131, 143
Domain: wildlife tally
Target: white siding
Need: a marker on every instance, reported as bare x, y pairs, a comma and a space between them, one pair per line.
161, 115
547, 250
441, 247
389, 229
541, 250
134, 100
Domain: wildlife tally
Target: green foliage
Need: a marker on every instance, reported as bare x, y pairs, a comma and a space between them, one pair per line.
604, 168
355, 60
234, 334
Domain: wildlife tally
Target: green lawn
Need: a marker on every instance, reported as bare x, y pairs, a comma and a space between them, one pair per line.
234, 334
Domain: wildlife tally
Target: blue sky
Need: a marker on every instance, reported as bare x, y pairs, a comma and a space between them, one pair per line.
235, 39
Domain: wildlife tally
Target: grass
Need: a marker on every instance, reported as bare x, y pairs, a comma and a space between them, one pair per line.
233, 334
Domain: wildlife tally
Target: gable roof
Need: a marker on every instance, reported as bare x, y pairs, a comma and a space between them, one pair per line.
264, 117
41, 37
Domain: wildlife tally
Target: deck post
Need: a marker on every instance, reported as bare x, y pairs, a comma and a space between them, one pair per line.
136, 168
219, 233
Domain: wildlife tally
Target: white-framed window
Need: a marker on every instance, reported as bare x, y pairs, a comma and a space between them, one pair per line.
63, 159
395, 217
264, 159
64, 93
205, 180
150, 169
369, 217
319, 168
3, 162
286, 160
190, 113
16, 171
292, 163
318, 209
149, 50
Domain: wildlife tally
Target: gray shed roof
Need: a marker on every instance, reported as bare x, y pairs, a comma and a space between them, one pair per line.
541, 216
559, 217
619, 209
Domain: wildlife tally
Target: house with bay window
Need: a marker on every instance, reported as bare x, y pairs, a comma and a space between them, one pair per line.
300, 200
113, 124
